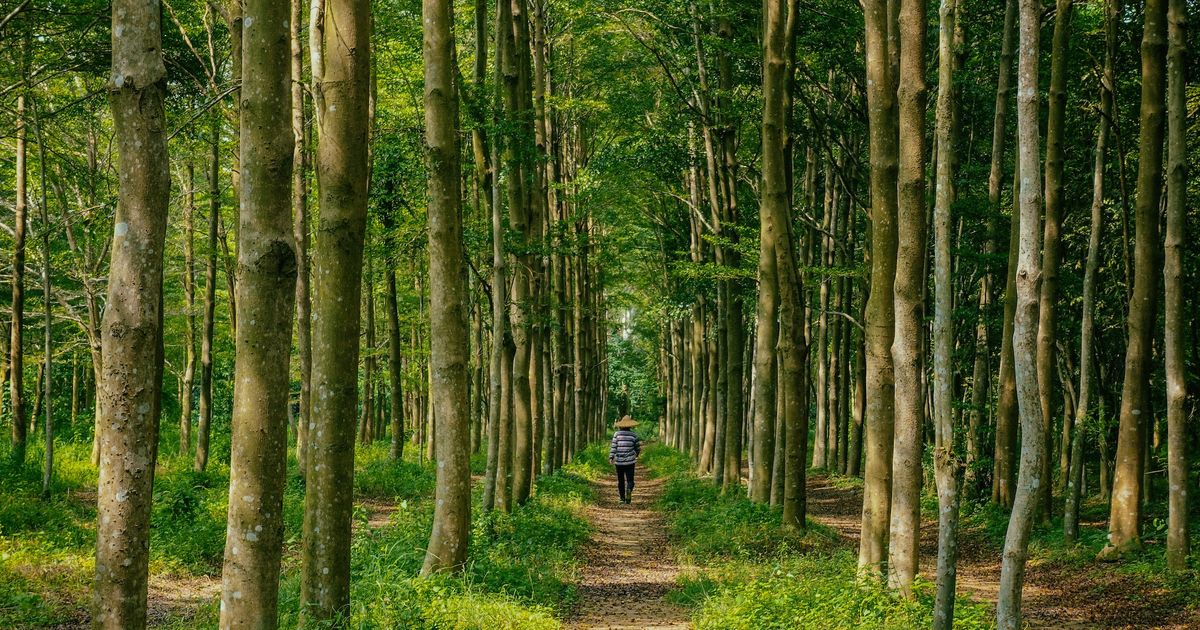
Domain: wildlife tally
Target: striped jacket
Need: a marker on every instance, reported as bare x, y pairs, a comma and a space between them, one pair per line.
625, 447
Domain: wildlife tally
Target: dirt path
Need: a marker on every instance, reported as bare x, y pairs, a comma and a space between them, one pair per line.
1056, 594
629, 567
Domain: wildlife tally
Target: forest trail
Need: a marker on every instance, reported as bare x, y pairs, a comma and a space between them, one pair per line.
629, 567
1056, 594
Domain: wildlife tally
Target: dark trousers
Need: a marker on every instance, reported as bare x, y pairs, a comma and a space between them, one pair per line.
625, 480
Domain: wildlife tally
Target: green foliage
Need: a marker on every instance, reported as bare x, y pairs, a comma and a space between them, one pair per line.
751, 574
813, 590
708, 525
591, 463
520, 573
664, 461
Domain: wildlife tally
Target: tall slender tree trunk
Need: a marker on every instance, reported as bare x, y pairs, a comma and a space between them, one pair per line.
204, 423
448, 335
981, 374
395, 369
1124, 535
341, 77
499, 455
1052, 244
778, 344
1082, 408
267, 297
300, 229
908, 345
132, 339
945, 460
47, 318
1004, 453
1177, 458
777, 37
16, 363
189, 301
880, 313
366, 433
1025, 321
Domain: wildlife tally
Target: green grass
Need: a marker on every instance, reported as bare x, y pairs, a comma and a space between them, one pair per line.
750, 574
520, 574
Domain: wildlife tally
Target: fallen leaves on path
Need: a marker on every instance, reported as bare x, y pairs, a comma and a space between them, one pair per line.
629, 566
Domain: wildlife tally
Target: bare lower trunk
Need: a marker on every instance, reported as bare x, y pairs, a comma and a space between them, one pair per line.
945, 461
880, 313
1052, 244
1025, 322
395, 370
1136, 414
908, 344
1075, 461
981, 376
341, 77
1177, 459
267, 297
448, 334
189, 301
300, 229
16, 392
204, 423
1004, 454
133, 342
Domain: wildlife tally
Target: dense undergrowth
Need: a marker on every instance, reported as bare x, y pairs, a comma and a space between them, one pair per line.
520, 574
745, 572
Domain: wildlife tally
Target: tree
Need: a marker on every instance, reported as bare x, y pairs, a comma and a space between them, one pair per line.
1028, 281
189, 299
980, 376
1177, 458
880, 313
133, 350
16, 363
1091, 268
1136, 415
909, 290
300, 229
945, 461
1052, 240
267, 298
448, 332
341, 75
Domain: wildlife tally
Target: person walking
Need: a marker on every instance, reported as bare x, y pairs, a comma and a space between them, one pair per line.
623, 453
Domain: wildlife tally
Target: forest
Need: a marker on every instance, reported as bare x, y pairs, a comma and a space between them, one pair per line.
323, 314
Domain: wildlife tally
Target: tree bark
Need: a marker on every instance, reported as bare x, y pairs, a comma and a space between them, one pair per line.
47, 318
880, 313
267, 298
1136, 413
342, 82
1004, 453
300, 229
1025, 322
945, 461
204, 423
448, 336
189, 301
778, 37
1177, 459
1052, 244
16, 363
1075, 461
133, 342
395, 369
908, 345
981, 375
